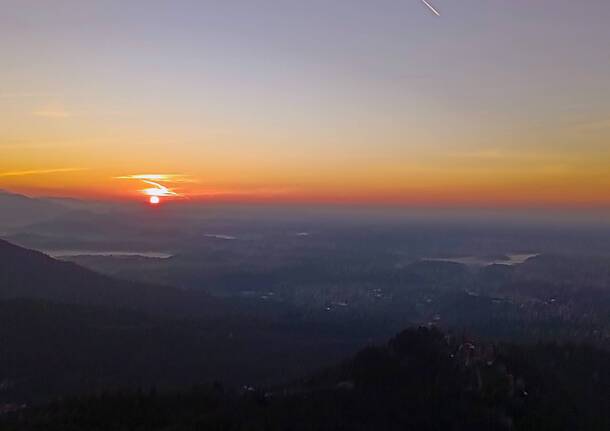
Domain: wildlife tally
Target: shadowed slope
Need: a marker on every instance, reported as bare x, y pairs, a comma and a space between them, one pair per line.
34, 275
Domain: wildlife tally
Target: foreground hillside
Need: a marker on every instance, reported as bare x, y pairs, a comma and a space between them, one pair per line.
421, 380
67, 330
49, 350
30, 274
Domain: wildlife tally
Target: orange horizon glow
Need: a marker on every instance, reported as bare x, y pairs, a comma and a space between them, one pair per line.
502, 104
430, 197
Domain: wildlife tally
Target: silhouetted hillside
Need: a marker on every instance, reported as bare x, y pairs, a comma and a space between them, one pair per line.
49, 350
421, 380
65, 329
33, 275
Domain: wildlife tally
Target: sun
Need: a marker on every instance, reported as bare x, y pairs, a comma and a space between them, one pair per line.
154, 200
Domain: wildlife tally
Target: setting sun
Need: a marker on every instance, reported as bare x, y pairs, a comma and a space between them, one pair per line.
154, 200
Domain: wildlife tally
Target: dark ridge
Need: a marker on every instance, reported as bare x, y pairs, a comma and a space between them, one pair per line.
30, 274
420, 380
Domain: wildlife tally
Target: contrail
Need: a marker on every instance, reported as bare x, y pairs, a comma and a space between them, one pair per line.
431, 8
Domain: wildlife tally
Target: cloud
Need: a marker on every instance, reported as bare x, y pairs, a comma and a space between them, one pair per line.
155, 180
53, 113
39, 172
166, 178
249, 192
24, 95
158, 190
497, 154
593, 126
26, 144
22, 146
485, 154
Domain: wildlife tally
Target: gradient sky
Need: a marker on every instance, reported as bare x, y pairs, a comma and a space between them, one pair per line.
495, 103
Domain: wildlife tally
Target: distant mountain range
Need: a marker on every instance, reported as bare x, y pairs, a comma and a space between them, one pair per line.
19, 210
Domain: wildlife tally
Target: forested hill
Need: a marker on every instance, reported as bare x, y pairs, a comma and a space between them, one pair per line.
52, 350
34, 275
421, 380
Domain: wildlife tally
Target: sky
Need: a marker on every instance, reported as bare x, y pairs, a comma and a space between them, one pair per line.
493, 103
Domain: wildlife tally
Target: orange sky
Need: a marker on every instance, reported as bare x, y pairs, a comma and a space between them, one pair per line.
490, 104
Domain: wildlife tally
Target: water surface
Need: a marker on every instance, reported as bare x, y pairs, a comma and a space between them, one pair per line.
111, 253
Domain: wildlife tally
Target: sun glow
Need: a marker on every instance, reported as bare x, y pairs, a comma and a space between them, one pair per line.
154, 200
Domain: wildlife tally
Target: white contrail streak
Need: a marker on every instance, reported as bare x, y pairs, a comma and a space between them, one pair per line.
431, 8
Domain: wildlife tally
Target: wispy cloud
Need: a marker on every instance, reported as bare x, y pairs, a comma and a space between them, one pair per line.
158, 182
484, 154
593, 126
24, 95
249, 192
53, 113
26, 144
39, 172
166, 178
23, 146
497, 154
